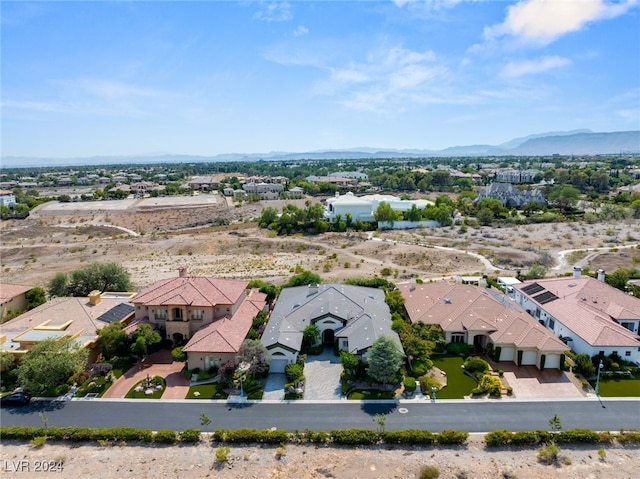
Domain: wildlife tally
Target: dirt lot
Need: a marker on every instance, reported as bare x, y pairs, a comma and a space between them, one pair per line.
471, 461
152, 238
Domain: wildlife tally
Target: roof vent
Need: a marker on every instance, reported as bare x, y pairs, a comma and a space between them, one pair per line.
572, 285
447, 300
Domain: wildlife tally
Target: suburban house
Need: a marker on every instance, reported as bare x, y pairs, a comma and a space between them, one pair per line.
7, 198
78, 318
479, 316
212, 316
13, 298
586, 313
510, 196
351, 316
363, 207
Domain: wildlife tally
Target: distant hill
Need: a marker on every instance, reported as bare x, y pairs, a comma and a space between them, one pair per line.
577, 142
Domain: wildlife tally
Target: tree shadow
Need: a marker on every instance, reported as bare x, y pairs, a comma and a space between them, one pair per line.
372, 408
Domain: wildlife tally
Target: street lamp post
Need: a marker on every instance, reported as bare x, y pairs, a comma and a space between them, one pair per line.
433, 394
598, 378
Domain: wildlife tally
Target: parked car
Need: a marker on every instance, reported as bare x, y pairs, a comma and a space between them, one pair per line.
16, 399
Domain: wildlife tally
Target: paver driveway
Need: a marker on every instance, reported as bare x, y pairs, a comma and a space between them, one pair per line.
322, 375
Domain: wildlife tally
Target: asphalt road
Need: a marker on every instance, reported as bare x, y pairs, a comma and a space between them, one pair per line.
470, 416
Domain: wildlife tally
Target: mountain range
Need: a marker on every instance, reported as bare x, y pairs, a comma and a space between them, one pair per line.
576, 142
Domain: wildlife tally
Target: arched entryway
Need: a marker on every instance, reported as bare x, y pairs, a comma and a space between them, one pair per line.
328, 336
177, 338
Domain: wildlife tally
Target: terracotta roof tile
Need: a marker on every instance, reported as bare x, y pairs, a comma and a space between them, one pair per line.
192, 291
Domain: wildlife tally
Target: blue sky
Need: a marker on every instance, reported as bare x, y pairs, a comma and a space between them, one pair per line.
208, 77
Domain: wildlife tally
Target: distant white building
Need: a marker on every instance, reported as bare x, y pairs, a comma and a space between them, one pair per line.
7, 198
363, 207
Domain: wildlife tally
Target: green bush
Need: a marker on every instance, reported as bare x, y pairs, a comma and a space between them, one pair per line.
497, 438
165, 436
549, 454
451, 436
571, 436
409, 436
317, 437
354, 436
427, 382
476, 365
294, 372
461, 349
222, 454
410, 384
177, 355
628, 437
190, 435
491, 385
246, 436
523, 438
429, 472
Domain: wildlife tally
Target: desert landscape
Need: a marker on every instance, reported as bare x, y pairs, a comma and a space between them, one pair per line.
152, 238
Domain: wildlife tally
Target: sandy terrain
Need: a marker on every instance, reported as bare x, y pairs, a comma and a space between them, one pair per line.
152, 238
471, 461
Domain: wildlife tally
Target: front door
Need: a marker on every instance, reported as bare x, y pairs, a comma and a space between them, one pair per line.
328, 336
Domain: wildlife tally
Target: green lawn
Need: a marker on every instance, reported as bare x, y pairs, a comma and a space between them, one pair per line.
97, 384
458, 383
133, 394
371, 394
610, 387
207, 391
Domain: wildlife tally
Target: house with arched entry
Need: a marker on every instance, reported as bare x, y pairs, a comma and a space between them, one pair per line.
212, 316
351, 317
481, 317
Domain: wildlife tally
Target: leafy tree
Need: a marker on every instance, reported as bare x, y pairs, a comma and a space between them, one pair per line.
35, 297
485, 216
310, 335
98, 276
536, 271
619, 278
252, 351
7, 360
384, 213
268, 216
143, 338
114, 340
58, 285
414, 214
303, 279
384, 360
584, 365
50, 363
350, 362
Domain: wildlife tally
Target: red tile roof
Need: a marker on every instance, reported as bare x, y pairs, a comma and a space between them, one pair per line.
226, 335
8, 291
464, 307
192, 291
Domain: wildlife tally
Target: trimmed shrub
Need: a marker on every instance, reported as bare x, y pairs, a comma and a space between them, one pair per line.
522, 438
409, 436
475, 365
294, 372
177, 355
266, 436
317, 437
165, 436
354, 436
190, 435
409, 384
491, 385
451, 436
628, 437
496, 438
577, 436
459, 348
427, 382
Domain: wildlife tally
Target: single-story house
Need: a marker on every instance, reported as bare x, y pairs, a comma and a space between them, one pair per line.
589, 315
13, 298
351, 316
80, 318
479, 316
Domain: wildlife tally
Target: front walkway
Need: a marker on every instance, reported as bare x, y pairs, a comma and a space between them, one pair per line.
156, 364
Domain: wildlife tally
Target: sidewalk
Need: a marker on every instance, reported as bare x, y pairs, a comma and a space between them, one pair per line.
157, 364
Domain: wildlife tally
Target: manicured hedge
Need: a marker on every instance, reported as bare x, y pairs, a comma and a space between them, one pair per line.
266, 436
165, 436
410, 436
190, 435
571, 436
354, 436
451, 436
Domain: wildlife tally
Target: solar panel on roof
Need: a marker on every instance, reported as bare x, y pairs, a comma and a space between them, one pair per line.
117, 313
532, 288
545, 297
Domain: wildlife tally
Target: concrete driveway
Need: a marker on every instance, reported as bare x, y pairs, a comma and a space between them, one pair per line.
528, 382
322, 375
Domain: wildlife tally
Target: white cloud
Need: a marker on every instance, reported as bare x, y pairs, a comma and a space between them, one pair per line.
544, 21
274, 12
300, 31
539, 65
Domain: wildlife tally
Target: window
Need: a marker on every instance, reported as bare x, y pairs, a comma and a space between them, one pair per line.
196, 314
537, 312
552, 323
457, 338
177, 314
627, 353
627, 325
161, 314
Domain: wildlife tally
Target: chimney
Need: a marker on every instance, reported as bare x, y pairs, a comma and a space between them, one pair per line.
577, 271
95, 297
601, 275
182, 272
412, 284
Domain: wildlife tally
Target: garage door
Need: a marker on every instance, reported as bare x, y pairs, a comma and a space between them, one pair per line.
277, 365
529, 358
